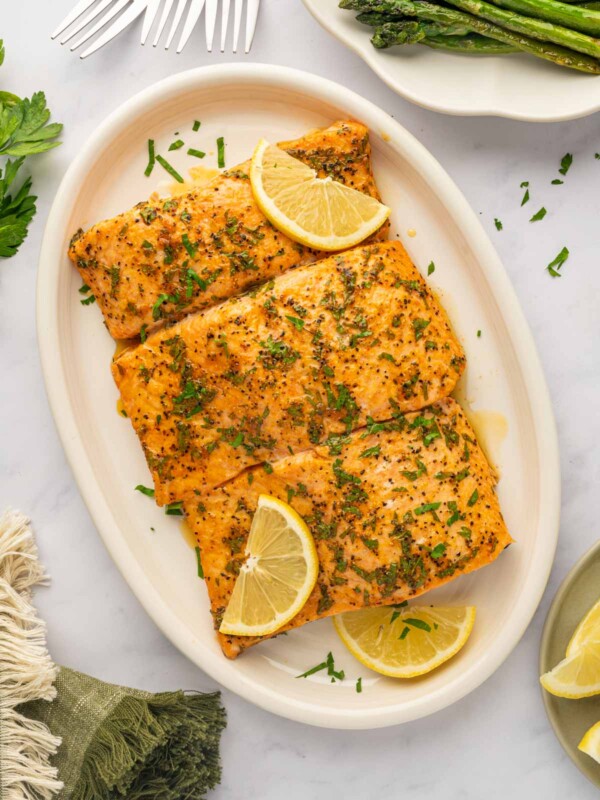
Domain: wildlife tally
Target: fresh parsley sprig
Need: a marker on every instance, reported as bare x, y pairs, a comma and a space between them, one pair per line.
25, 130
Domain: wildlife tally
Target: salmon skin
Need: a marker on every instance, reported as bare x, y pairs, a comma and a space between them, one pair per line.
403, 508
303, 360
166, 258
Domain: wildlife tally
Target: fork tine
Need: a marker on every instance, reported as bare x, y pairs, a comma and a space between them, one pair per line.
82, 6
237, 22
85, 20
178, 14
251, 17
196, 7
113, 11
133, 11
224, 22
210, 20
163, 20
151, 12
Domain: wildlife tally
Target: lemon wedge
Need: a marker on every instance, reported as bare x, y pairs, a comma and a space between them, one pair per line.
587, 631
278, 575
317, 212
578, 674
405, 642
590, 744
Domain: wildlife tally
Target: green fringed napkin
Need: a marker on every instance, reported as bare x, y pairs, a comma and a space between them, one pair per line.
117, 743
124, 743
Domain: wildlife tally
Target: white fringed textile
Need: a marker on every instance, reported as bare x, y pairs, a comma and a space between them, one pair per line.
26, 669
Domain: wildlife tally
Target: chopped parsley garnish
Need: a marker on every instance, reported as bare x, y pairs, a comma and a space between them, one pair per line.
473, 499
418, 623
221, 152
479, 334
555, 265
427, 507
371, 451
557, 182
170, 169
196, 125
88, 300
405, 632
438, 551
174, 509
430, 268
144, 490
196, 153
191, 248
162, 298
419, 326
143, 333
597, 155
296, 322
387, 357
498, 224
84, 289
525, 185
176, 145
151, 158
359, 685
200, 570
539, 215
329, 665
565, 163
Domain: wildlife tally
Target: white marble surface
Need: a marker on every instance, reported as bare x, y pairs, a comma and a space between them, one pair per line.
496, 742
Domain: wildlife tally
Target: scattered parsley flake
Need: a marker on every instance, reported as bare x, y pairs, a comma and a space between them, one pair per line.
176, 145
174, 509
479, 334
565, 163
438, 551
525, 196
144, 490
151, 158
418, 623
498, 224
196, 153
200, 570
539, 215
221, 152
555, 265
430, 268
359, 685
170, 169
196, 125
296, 322
473, 499
88, 300
557, 182
405, 632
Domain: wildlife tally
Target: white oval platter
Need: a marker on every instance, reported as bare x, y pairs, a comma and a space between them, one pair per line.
515, 86
243, 103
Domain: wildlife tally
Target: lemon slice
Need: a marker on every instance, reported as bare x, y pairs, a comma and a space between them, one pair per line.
406, 642
318, 212
278, 575
587, 632
590, 744
577, 675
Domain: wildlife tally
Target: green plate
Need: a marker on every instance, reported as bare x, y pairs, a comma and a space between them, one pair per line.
571, 718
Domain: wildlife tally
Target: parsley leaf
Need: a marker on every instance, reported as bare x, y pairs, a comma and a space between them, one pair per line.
555, 265
24, 131
539, 215
498, 224
565, 163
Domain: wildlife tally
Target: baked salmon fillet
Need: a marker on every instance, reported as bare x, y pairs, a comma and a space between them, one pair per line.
166, 258
403, 508
303, 360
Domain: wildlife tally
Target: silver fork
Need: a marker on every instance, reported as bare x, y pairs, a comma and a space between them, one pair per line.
90, 17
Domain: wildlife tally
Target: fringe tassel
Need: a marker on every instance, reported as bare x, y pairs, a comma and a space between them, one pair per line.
26, 669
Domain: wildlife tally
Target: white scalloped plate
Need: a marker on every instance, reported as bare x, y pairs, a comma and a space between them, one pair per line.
243, 103
515, 86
